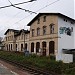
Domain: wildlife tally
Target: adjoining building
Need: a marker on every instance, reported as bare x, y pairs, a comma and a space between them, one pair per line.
16, 40
52, 33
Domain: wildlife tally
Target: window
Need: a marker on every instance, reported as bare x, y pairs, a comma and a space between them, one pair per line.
26, 36
22, 36
6, 38
44, 30
32, 32
44, 19
21, 47
11, 46
38, 31
37, 46
32, 47
38, 21
51, 28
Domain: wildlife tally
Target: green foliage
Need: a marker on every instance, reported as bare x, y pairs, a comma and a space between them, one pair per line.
44, 63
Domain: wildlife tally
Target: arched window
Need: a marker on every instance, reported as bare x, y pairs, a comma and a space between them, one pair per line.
32, 47
44, 48
26, 46
37, 46
21, 47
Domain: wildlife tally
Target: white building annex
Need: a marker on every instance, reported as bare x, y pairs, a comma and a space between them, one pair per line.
66, 42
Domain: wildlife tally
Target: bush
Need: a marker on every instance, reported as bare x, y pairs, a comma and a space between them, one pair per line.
42, 62
52, 56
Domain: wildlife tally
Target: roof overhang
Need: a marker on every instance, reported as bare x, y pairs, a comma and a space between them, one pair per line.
68, 51
37, 16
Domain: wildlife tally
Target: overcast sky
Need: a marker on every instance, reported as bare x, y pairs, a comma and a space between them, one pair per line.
13, 18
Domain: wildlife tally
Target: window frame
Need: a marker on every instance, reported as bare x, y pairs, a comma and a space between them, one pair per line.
38, 31
38, 21
44, 19
44, 30
51, 28
33, 32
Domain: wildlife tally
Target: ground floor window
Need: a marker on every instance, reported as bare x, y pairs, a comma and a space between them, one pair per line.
32, 47
7, 47
44, 48
51, 47
26, 46
37, 46
11, 46
16, 47
21, 47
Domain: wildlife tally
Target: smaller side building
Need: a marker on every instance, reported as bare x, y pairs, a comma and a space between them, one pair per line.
16, 40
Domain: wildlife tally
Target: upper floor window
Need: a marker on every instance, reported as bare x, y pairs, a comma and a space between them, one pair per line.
44, 19
38, 31
52, 28
44, 30
38, 21
32, 32
26, 36
6, 38
21, 36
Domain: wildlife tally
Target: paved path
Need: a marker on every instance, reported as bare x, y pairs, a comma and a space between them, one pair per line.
5, 71
8, 69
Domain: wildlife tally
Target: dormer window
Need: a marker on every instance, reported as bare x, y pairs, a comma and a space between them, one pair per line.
38, 21
44, 19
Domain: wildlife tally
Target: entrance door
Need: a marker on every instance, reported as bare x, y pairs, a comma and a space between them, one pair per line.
51, 47
44, 48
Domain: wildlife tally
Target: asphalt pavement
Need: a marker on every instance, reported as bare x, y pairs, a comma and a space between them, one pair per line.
5, 71
9, 69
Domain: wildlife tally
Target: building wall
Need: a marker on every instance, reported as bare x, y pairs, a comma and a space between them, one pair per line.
9, 39
65, 41
15, 40
20, 40
48, 37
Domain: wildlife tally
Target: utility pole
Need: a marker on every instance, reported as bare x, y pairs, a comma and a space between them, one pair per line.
24, 39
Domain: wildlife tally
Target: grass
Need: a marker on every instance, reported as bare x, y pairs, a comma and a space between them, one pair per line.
45, 63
